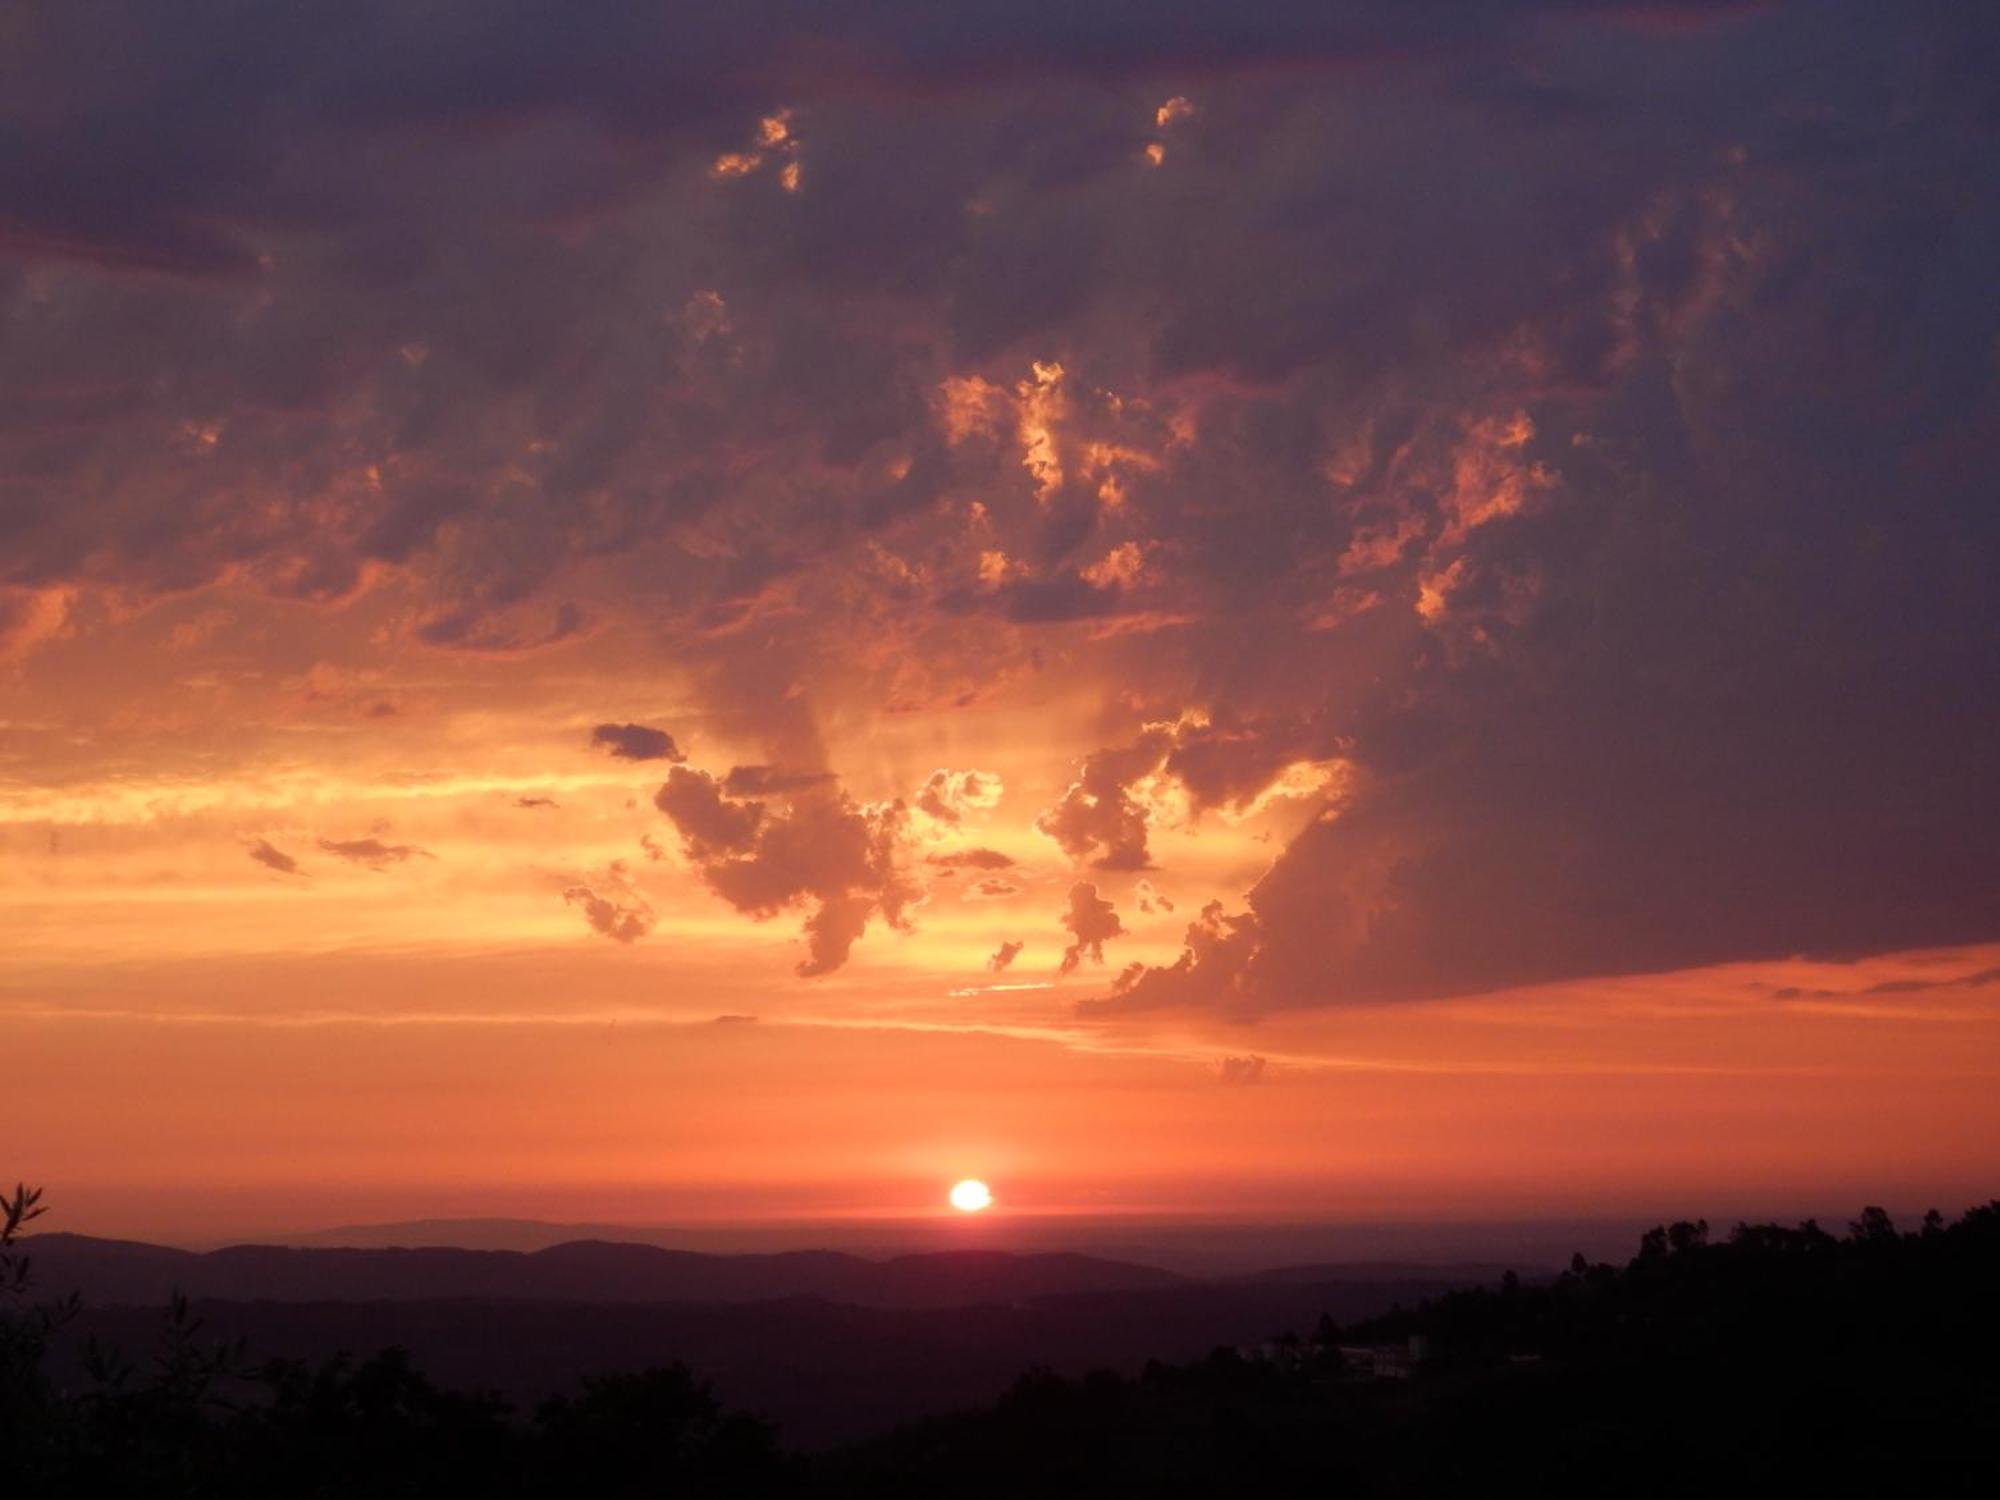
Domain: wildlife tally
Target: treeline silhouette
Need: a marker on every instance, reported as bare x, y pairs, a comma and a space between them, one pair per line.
1775, 1360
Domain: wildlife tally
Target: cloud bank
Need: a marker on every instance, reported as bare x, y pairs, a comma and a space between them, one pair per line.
1548, 446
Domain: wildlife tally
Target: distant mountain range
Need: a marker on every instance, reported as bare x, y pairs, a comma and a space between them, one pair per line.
1298, 1253
124, 1272
129, 1273
1200, 1247
489, 1234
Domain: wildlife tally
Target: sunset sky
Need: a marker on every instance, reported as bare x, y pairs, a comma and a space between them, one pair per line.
735, 612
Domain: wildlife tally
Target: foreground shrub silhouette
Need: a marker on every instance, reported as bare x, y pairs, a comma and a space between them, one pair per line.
1778, 1362
655, 1433
200, 1419
30, 1416
1773, 1360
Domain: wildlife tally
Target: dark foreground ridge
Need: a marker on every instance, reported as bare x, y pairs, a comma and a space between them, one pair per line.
1774, 1361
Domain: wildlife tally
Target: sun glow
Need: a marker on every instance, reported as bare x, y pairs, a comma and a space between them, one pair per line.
970, 1196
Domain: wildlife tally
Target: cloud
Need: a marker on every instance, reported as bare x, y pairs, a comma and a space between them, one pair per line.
1607, 540
1977, 979
992, 888
1240, 1072
949, 796
30, 617
1098, 812
1226, 763
373, 852
951, 860
818, 850
1213, 972
1232, 762
529, 801
272, 857
770, 781
1004, 955
1062, 598
636, 742
624, 916
379, 308
1092, 922
1557, 853
711, 824
1150, 898
492, 633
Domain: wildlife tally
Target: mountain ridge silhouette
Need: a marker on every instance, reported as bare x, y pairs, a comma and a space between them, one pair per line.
129, 1272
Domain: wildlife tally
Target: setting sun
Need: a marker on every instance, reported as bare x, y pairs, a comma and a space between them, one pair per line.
970, 1196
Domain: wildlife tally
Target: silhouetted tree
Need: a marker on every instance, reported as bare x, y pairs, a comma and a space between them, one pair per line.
1874, 1227
1683, 1236
656, 1432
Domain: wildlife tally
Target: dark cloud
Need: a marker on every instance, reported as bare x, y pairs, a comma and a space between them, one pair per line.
483, 630
1217, 764
1004, 955
711, 823
1557, 851
348, 196
1975, 980
974, 859
1098, 812
1092, 922
269, 855
992, 888
769, 781
1061, 599
623, 916
820, 851
636, 742
1229, 761
373, 852
536, 802
1213, 971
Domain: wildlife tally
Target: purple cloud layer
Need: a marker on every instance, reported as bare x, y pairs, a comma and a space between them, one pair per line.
1577, 420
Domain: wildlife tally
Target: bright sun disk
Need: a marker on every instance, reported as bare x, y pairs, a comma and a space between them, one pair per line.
970, 1196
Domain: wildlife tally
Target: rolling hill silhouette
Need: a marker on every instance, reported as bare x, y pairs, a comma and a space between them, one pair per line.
115, 1272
